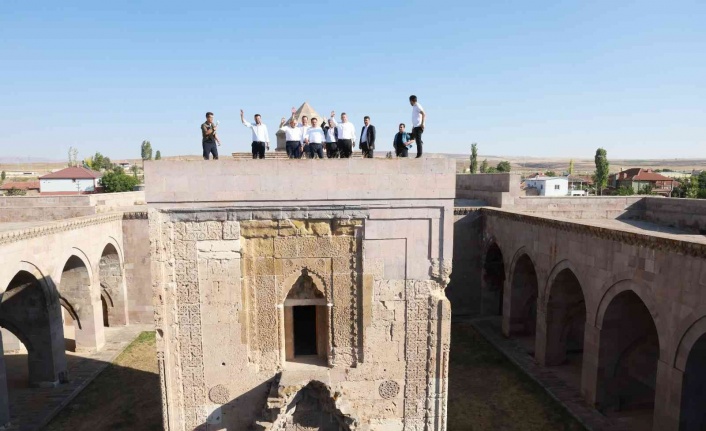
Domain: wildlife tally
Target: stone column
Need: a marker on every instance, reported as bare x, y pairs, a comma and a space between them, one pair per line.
4, 400
589, 369
507, 307
91, 336
541, 341
47, 359
668, 393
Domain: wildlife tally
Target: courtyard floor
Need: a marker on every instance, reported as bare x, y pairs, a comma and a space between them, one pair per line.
486, 392
32, 408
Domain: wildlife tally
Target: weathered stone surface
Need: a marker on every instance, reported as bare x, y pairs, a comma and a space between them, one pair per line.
230, 307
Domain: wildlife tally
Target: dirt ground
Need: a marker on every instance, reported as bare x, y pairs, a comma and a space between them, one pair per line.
486, 392
125, 396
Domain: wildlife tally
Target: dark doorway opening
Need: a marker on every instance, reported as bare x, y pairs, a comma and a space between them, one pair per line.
104, 305
304, 330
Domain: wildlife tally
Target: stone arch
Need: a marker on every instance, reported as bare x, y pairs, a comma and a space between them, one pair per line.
690, 359
77, 253
306, 317
291, 279
82, 302
629, 350
492, 280
112, 287
34, 317
520, 313
688, 339
313, 406
564, 317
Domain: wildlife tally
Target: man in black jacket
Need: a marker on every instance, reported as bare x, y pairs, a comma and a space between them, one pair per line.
367, 138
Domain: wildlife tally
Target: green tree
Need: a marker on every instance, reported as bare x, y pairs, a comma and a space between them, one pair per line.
158, 155
3, 175
600, 177
117, 181
484, 167
474, 158
625, 191
146, 150
491, 170
134, 168
571, 167
645, 190
550, 173
688, 188
16, 192
504, 166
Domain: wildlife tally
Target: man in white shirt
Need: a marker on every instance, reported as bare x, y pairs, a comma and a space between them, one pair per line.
304, 126
314, 140
293, 137
418, 120
260, 136
346, 137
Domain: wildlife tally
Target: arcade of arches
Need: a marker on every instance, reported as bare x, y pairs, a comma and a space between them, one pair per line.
41, 320
610, 316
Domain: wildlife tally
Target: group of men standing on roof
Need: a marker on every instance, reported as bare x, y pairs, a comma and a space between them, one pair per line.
310, 139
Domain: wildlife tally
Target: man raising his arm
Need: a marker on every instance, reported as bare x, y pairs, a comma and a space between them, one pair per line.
293, 137
346, 137
260, 136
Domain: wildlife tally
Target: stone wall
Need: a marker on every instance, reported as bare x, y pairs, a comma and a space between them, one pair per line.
628, 282
687, 214
223, 277
498, 190
464, 287
138, 276
49, 208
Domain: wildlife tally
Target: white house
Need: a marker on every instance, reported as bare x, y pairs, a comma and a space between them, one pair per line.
549, 186
69, 181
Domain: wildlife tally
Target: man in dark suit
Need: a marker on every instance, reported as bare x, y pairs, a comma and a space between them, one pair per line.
367, 138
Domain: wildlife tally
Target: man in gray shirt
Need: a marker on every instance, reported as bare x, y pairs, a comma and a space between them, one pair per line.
209, 140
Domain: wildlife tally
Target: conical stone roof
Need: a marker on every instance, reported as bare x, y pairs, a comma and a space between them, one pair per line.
306, 110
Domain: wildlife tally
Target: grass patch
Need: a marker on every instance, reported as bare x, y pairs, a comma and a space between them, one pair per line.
125, 396
488, 392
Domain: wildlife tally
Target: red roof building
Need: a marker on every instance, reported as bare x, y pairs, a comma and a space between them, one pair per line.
72, 173
639, 178
70, 181
31, 187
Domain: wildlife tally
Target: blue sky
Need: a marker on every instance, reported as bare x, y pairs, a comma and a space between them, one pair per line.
550, 79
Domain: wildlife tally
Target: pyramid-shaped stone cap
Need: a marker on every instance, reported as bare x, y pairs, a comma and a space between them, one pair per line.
306, 110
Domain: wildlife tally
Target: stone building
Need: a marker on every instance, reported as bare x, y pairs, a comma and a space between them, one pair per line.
304, 110
305, 308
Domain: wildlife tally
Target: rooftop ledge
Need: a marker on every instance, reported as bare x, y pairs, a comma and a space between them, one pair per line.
275, 181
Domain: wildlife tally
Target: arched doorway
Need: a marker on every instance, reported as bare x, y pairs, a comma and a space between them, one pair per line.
32, 314
113, 294
565, 326
306, 322
566, 319
627, 360
693, 396
82, 307
522, 314
493, 282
